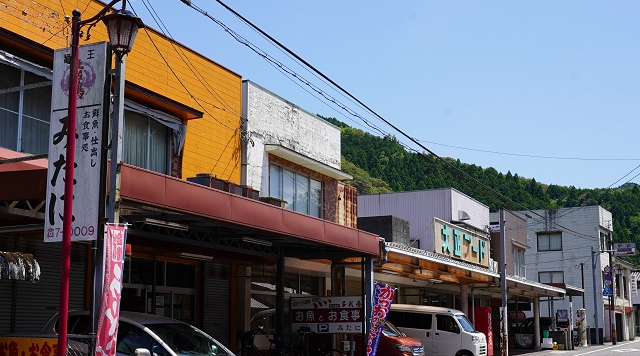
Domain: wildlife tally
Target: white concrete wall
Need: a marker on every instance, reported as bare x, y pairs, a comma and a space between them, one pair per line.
581, 227
272, 120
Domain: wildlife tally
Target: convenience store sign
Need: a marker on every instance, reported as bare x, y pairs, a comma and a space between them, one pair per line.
344, 315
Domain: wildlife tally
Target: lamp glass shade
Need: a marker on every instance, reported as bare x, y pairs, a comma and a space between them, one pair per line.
122, 27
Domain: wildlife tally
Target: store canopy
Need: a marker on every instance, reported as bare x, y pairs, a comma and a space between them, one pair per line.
19, 266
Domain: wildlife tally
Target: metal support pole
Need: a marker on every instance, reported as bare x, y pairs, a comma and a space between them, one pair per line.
67, 222
595, 295
504, 333
113, 205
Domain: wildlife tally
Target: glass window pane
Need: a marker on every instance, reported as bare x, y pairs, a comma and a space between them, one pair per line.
9, 78
288, 188
302, 194
181, 275
135, 139
158, 147
35, 136
555, 242
543, 242
8, 129
275, 182
141, 271
315, 199
37, 101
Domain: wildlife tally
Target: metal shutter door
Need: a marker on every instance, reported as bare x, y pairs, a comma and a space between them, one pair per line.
37, 302
217, 297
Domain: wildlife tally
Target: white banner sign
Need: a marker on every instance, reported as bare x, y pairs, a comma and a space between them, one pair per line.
88, 152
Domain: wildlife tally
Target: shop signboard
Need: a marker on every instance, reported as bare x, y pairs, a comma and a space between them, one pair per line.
88, 150
624, 249
344, 315
461, 243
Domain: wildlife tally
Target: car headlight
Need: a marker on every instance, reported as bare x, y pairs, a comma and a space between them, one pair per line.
475, 339
404, 348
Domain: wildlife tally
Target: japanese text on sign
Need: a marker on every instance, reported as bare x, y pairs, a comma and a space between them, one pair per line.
328, 314
461, 243
88, 149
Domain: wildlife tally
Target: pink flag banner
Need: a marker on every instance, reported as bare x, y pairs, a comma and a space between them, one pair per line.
114, 252
382, 298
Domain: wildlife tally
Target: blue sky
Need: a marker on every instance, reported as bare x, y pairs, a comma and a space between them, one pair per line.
494, 83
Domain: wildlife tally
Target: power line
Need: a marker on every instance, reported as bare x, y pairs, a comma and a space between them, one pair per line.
266, 56
530, 155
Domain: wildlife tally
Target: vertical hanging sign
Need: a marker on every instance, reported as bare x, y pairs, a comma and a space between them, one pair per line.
115, 238
91, 79
382, 298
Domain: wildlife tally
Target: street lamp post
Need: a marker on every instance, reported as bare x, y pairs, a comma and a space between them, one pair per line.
122, 27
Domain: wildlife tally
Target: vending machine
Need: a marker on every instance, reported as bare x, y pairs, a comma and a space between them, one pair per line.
483, 324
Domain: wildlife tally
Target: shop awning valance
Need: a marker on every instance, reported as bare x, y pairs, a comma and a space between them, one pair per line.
19, 266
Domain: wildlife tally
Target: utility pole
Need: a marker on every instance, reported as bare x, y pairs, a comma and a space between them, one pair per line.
584, 305
595, 294
504, 335
612, 300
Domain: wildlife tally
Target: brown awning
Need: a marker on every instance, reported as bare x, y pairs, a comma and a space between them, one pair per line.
19, 266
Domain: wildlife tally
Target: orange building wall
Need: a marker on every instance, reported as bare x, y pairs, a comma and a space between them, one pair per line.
213, 142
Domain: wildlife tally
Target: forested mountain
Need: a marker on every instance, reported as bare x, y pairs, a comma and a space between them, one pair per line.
382, 164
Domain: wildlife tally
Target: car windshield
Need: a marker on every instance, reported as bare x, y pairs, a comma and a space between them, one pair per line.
184, 339
391, 330
465, 323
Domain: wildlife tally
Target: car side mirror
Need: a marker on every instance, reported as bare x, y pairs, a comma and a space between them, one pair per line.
142, 352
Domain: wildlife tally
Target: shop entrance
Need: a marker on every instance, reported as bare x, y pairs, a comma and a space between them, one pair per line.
171, 293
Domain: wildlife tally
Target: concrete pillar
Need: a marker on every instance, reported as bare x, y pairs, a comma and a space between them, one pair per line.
464, 299
536, 323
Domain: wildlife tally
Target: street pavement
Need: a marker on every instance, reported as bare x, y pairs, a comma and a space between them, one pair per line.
624, 348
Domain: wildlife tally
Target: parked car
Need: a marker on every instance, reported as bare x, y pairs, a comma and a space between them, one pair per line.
393, 342
442, 331
145, 334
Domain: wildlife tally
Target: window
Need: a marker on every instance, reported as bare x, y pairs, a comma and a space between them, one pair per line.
25, 107
146, 143
410, 320
447, 323
518, 262
550, 241
300, 192
551, 277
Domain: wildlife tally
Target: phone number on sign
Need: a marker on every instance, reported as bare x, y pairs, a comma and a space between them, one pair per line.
76, 232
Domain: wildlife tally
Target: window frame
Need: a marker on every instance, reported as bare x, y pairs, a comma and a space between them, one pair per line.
519, 264
128, 114
25, 67
280, 191
549, 235
551, 275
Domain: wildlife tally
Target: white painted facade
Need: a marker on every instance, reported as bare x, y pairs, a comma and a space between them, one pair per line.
272, 120
421, 206
582, 230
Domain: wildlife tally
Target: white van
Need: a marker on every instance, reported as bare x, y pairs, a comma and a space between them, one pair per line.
442, 331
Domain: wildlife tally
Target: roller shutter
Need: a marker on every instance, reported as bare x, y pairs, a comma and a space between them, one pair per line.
216, 320
36, 302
